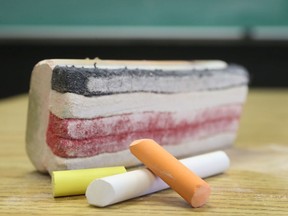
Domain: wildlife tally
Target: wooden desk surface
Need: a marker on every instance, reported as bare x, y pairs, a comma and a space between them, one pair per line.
256, 183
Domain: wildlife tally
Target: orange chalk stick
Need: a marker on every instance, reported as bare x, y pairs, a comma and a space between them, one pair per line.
187, 184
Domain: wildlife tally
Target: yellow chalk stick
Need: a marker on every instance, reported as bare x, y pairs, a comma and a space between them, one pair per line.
75, 182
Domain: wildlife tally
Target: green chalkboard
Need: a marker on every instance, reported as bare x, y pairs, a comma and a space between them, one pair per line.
20, 18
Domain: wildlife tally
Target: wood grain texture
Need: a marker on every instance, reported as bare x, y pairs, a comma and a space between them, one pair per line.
256, 183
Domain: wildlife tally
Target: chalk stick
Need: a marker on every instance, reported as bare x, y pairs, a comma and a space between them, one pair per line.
187, 184
113, 189
75, 182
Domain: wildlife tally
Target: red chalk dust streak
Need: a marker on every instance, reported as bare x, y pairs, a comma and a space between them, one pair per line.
76, 138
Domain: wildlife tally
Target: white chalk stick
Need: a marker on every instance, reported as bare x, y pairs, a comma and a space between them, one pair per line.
120, 187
